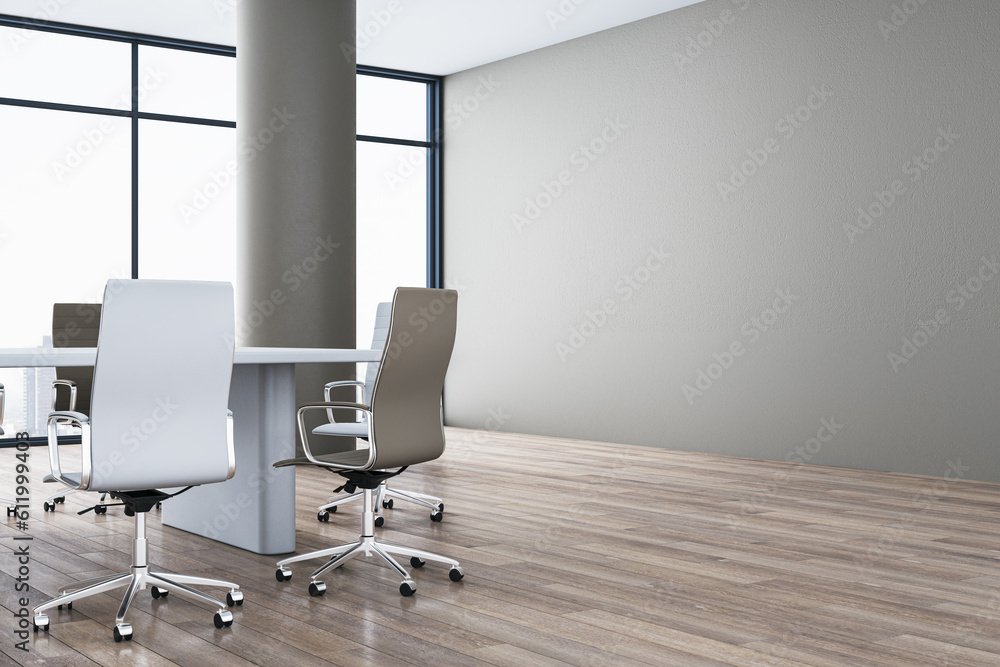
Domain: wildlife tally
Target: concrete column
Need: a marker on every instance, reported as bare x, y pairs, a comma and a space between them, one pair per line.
296, 191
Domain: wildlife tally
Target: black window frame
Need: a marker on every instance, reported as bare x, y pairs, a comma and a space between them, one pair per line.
434, 247
435, 263
135, 40
434, 131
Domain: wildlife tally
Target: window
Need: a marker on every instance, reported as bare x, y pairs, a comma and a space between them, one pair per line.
117, 160
398, 167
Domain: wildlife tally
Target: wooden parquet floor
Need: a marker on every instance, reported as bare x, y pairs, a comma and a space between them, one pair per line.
575, 553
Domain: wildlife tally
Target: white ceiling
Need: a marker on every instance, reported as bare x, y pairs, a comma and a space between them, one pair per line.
448, 36
427, 36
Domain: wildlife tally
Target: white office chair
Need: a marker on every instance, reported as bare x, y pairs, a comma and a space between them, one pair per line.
404, 428
359, 429
159, 419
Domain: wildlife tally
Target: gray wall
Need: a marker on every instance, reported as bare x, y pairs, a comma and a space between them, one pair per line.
813, 380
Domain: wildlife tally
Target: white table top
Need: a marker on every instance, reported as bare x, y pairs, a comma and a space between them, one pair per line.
34, 357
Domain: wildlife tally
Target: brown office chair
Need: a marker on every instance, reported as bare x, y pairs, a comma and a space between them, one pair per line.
383, 495
404, 427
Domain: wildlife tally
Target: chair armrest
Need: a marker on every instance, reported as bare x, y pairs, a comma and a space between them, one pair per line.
72, 393
359, 393
327, 405
232, 448
81, 420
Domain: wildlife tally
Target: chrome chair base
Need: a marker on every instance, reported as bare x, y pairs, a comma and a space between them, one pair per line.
137, 579
383, 499
368, 545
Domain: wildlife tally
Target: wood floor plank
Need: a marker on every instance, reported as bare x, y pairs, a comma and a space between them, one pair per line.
575, 553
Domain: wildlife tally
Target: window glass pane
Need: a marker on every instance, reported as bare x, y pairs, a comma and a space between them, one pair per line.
392, 108
187, 201
65, 229
391, 228
185, 83
66, 69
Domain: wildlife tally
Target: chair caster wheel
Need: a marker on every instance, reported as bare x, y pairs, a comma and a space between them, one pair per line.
440, 507
48, 507
387, 504
60, 500
316, 589
407, 588
379, 521
416, 562
323, 516
123, 631
40, 623
223, 618
101, 509
234, 598
158, 593
437, 516
159, 506
282, 574
456, 574
68, 606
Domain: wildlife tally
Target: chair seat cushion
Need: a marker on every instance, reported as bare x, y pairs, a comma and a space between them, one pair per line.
353, 458
72, 476
348, 429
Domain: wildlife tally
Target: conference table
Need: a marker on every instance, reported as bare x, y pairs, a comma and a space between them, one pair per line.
255, 510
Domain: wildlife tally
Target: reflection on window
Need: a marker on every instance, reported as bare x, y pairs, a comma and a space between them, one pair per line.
192, 84
392, 227
67, 173
392, 191
392, 108
66, 69
187, 201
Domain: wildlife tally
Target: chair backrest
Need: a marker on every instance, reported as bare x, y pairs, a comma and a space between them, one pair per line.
382, 316
406, 397
161, 385
76, 325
